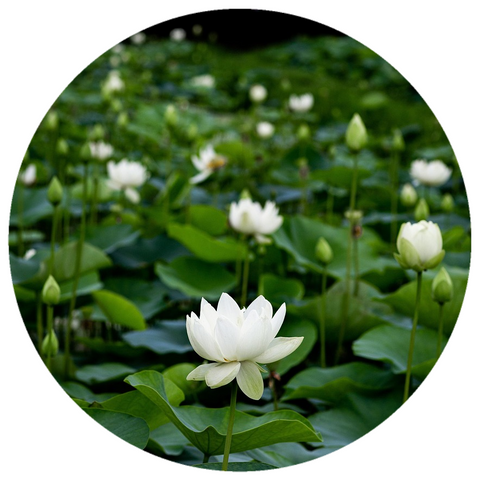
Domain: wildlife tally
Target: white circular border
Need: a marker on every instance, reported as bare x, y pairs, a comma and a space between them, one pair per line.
46, 44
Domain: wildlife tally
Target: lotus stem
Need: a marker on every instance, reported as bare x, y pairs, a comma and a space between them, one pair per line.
412, 337
394, 198
49, 329
20, 245
440, 330
231, 421
39, 321
95, 183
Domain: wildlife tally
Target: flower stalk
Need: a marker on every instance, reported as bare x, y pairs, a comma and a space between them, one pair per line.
231, 421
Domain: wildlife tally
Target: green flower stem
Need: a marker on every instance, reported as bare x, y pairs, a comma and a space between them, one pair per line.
66, 217
412, 337
329, 206
356, 267
440, 330
323, 319
20, 245
39, 320
231, 421
95, 184
56, 211
78, 262
246, 265
49, 329
394, 197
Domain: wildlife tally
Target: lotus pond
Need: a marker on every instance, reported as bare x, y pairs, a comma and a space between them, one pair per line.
175, 181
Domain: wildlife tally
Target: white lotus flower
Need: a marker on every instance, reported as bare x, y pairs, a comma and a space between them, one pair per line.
100, 150
29, 175
301, 103
258, 93
113, 83
419, 246
433, 174
126, 175
205, 81
178, 34
138, 38
248, 217
206, 163
237, 340
265, 129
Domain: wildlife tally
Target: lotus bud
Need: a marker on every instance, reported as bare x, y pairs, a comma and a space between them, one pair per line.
192, 132
122, 119
442, 287
303, 169
85, 152
419, 246
50, 344
51, 292
170, 116
55, 191
408, 195
51, 120
303, 132
356, 136
323, 251
448, 203
116, 105
398, 145
62, 147
97, 133
422, 211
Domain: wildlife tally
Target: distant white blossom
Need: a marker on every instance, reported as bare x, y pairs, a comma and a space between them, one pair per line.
125, 176
433, 174
29, 175
265, 129
301, 103
258, 93
206, 81
113, 83
138, 38
100, 150
206, 163
178, 34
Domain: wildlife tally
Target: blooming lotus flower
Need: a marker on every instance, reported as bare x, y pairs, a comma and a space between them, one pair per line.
433, 173
301, 103
203, 81
257, 93
178, 34
138, 38
126, 175
206, 163
265, 129
113, 83
237, 340
248, 217
29, 175
419, 246
100, 150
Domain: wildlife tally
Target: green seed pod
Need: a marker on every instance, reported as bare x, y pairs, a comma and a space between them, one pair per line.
50, 344
55, 191
51, 292
323, 251
422, 211
448, 203
442, 287
356, 136
354, 216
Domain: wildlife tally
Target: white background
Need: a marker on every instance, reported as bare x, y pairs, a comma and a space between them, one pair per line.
46, 44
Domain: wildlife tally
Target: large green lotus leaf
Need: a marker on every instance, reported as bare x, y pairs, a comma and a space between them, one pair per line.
196, 278
206, 427
355, 416
403, 300
332, 384
138, 405
82, 393
209, 219
178, 375
237, 466
167, 440
23, 270
104, 372
390, 344
340, 176
110, 237
149, 297
296, 328
145, 251
279, 290
87, 284
364, 311
133, 430
119, 310
299, 235
205, 247
35, 206
283, 454
66, 256
167, 336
